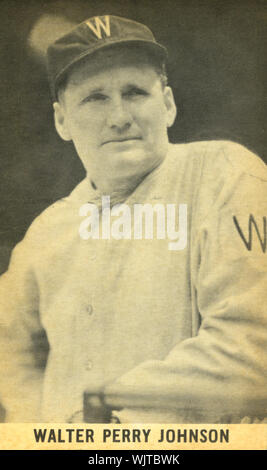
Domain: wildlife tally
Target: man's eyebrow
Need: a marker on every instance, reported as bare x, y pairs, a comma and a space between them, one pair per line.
133, 85
125, 86
95, 90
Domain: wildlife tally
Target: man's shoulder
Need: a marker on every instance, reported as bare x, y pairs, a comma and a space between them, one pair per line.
221, 174
221, 167
55, 220
222, 158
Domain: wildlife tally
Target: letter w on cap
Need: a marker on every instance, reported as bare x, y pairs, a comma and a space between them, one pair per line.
96, 28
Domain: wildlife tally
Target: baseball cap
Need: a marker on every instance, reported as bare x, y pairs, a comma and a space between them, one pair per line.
92, 35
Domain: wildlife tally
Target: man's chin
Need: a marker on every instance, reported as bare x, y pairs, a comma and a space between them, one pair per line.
129, 162
115, 170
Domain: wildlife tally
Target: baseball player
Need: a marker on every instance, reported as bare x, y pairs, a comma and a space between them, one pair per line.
132, 316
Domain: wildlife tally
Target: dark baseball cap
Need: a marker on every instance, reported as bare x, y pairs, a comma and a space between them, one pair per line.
92, 35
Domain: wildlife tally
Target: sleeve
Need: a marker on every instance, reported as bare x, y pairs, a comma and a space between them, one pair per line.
222, 370
21, 338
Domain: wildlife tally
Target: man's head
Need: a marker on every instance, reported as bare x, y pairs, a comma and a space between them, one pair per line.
114, 103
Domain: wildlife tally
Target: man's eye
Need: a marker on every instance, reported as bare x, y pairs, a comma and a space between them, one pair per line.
94, 97
135, 92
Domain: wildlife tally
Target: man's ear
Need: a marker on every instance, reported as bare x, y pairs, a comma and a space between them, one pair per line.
170, 105
60, 121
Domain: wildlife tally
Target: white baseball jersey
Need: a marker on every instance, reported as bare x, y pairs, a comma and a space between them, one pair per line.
132, 315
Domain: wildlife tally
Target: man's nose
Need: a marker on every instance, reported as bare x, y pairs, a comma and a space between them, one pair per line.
118, 115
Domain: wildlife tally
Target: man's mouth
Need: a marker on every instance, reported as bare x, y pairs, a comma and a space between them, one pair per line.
120, 140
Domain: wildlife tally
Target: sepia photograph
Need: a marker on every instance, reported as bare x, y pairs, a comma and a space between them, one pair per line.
133, 241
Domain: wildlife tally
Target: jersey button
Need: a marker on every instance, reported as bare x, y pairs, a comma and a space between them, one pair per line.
89, 309
88, 365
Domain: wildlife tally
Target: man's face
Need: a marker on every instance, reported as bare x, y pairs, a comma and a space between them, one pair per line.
116, 112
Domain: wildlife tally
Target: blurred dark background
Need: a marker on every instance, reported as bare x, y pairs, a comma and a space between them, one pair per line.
217, 53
